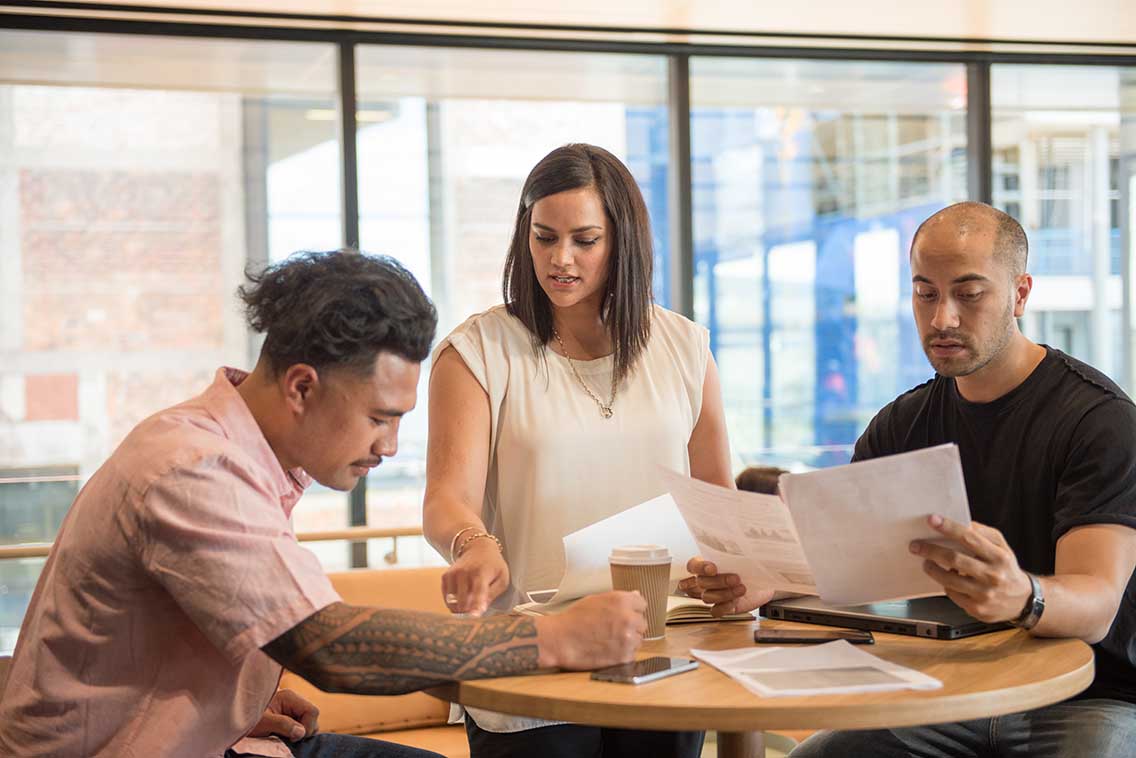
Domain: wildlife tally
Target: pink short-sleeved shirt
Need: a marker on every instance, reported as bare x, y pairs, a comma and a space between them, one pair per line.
175, 564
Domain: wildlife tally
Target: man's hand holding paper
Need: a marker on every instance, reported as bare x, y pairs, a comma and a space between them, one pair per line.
983, 578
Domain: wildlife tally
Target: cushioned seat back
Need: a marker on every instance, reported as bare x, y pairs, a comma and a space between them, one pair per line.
417, 589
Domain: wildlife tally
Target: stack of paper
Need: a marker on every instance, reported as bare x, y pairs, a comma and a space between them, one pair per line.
830, 669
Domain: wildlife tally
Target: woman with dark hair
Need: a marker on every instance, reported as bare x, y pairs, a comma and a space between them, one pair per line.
552, 411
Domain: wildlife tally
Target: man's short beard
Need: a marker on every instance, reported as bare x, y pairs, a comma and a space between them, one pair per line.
982, 357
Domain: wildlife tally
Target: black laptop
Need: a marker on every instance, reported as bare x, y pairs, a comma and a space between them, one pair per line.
937, 617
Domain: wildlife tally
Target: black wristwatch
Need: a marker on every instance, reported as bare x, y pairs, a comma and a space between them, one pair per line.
1035, 605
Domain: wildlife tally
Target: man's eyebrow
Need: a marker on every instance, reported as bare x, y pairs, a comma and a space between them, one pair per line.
958, 280
388, 412
570, 231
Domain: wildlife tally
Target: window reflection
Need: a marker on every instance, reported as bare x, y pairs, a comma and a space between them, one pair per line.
809, 181
1064, 152
140, 176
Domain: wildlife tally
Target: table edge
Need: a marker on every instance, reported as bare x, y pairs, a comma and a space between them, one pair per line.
872, 715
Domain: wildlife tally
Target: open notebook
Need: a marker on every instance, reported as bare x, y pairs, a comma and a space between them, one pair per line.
689, 610
680, 610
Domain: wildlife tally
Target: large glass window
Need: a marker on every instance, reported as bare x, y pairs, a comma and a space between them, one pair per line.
1064, 158
138, 177
810, 178
446, 138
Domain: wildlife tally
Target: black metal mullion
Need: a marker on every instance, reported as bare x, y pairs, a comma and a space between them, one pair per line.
347, 123
979, 143
254, 167
679, 200
349, 165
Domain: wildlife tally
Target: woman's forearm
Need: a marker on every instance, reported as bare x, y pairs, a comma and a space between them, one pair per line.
443, 517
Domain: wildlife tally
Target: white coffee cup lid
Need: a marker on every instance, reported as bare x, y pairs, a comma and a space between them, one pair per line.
635, 555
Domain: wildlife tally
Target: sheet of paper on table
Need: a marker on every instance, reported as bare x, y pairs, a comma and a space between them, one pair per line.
586, 572
834, 668
841, 533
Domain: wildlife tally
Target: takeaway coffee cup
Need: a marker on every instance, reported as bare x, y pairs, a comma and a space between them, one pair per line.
647, 569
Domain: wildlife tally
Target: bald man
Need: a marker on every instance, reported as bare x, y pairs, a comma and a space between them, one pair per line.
1048, 447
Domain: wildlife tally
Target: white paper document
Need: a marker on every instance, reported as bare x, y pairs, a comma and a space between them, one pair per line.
841, 533
834, 668
586, 572
743, 533
856, 522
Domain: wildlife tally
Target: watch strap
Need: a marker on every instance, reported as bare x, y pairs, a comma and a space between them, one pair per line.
1034, 607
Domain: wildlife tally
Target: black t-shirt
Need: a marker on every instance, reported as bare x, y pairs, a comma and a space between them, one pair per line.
1056, 452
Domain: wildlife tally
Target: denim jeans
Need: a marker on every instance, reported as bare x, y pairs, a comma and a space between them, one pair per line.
347, 746
1091, 728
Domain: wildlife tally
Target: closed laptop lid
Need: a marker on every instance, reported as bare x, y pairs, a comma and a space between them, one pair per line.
938, 609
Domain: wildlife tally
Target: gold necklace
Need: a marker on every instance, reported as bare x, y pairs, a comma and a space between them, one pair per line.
605, 409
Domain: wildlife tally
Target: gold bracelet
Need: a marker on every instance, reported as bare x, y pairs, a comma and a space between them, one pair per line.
454, 541
478, 535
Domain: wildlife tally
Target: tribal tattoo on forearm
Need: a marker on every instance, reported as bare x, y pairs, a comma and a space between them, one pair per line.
374, 651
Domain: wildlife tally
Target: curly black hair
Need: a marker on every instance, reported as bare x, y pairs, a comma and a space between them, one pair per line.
338, 309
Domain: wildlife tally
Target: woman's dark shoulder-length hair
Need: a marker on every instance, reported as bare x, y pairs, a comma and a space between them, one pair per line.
627, 302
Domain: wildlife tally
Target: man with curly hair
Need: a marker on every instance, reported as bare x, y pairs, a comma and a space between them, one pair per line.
176, 589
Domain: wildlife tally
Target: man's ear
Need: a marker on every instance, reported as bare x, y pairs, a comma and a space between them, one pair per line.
298, 383
1023, 285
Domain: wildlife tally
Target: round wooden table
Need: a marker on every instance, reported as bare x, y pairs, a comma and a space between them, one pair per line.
982, 676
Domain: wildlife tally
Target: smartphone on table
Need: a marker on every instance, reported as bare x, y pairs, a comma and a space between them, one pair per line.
646, 670
790, 636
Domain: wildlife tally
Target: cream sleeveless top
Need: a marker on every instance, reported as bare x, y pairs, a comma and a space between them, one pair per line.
555, 464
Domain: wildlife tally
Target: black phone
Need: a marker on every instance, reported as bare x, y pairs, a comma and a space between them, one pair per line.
646, 670
855, 636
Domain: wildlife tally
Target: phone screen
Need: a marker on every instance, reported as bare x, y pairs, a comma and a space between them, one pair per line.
646, 670
855, 636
